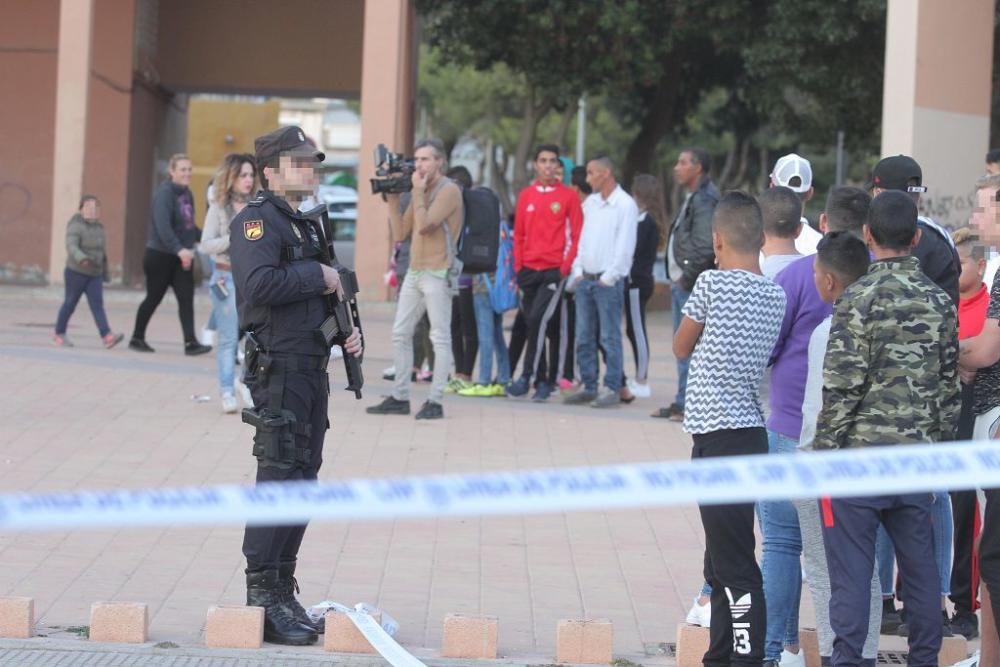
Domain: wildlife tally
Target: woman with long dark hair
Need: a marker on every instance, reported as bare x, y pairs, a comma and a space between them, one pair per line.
234, 184
169, 256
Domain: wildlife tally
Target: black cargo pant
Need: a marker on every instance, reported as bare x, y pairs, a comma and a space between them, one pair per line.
541, 292
849, 530
739, 615
306, 393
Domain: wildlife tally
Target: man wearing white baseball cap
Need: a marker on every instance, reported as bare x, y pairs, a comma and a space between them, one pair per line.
794, 172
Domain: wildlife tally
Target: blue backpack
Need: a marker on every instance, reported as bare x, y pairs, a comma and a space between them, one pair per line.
503, 289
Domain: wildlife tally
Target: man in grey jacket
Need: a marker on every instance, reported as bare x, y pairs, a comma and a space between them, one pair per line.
689, 249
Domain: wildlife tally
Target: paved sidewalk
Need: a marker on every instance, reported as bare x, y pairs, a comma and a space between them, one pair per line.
90, 418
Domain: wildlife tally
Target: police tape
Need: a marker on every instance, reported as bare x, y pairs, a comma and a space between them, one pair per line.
856, 472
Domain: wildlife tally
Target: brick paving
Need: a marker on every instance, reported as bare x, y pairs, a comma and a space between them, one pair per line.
91, 418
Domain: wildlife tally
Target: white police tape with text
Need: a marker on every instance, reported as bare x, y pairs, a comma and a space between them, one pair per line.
857, 472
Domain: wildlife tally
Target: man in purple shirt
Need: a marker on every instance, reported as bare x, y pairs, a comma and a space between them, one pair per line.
804, 310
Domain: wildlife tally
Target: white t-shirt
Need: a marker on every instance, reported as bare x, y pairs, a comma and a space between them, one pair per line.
742, 313
773, 264
812, 401
807, 240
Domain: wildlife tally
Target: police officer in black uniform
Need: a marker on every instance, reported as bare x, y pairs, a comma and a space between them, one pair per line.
280, 295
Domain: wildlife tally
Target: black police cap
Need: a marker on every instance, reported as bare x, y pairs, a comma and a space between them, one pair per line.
291, 140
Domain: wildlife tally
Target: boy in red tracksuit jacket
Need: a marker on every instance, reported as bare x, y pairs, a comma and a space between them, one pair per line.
547, 225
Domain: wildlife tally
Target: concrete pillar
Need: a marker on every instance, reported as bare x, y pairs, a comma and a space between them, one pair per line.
72, 79
387, 88
936, 97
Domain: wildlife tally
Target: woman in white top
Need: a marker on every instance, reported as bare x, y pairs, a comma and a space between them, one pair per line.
234, 184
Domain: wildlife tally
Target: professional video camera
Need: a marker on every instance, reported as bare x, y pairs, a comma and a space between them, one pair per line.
394, 172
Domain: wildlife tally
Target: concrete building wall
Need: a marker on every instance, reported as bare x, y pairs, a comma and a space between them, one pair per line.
29, 40
936, 97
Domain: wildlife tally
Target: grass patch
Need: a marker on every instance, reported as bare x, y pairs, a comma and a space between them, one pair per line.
79, 630
622, 662
166, 645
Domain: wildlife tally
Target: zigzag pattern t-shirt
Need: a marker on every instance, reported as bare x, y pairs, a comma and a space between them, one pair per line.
742, 313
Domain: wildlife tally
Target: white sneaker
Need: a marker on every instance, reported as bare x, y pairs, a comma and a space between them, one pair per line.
639, 389
336, 352
789, 659
229, 404
700, 614
207, 336
244, 392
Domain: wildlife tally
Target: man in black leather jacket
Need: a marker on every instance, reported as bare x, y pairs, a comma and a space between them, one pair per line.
689, 249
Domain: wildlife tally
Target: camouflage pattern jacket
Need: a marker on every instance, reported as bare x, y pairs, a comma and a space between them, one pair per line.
891, 369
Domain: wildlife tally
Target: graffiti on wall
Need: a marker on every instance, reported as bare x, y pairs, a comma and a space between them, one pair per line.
949, 209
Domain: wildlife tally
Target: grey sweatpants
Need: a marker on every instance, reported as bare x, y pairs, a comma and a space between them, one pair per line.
818, 578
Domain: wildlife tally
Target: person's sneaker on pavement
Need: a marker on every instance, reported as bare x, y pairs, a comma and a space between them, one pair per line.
389, 373
229, 404
606, 399
639, 389
390, 406
194, 348
971, 661
498, 389
112, 339
789, 659
430, 410
582, 397
61, 341
669, 412
477, 391
566, 385
243, 392
699, 614
519, 387
965, 624
140, 345
542, 392
456, 385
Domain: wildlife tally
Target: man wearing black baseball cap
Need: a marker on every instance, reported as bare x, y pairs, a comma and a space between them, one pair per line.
937, 254
276, 254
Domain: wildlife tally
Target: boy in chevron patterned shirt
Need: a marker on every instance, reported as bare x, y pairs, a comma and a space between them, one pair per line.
730, 325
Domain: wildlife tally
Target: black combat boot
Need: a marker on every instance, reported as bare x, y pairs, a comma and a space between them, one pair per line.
288, 587
280, 624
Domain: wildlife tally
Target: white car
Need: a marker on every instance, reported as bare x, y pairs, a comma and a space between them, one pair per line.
342, 206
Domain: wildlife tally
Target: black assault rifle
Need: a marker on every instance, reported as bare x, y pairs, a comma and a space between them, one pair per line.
342, 315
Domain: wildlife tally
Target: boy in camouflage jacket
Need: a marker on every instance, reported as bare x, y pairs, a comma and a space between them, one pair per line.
890, 377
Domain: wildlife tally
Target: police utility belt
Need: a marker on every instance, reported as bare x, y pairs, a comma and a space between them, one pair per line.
275, 444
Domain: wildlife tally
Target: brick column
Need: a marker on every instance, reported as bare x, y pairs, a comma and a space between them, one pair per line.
388, 76
72, 79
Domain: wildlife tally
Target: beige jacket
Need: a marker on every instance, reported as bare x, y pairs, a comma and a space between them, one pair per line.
423, 221
215, 233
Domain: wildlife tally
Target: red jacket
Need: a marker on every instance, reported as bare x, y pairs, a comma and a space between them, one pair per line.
547, 224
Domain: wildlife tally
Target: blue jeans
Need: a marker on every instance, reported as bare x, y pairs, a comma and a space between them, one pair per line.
782, 573
678, 298
941, 520
228, 327
599, 305
489, 326
78, 284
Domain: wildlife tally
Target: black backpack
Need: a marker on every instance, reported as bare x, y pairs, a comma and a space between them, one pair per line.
480, 240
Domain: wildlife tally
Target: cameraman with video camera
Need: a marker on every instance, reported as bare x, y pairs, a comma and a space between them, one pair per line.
433, 222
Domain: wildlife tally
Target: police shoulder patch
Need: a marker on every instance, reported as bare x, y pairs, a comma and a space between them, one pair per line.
253, 230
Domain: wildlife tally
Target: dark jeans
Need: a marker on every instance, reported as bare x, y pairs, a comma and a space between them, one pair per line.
849, 532
598, 321
464, 335
989, 551
739, 614
306, 394
163, 271
965, 519
78, 284
540, 296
